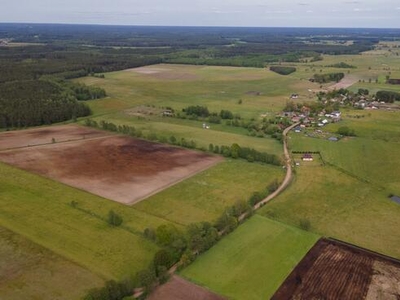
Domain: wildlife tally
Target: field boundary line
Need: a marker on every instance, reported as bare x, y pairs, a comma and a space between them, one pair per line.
55, 143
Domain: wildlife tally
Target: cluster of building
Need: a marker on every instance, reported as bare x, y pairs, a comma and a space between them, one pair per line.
320, 120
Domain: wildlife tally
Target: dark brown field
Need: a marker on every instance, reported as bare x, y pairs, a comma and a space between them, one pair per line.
180, 289
333, 270
119, 168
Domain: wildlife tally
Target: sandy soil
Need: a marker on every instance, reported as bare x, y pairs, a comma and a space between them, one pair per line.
119, 168
148, 70
331, 270
385, 283
180, 289
164, 73
44, 135
346, 82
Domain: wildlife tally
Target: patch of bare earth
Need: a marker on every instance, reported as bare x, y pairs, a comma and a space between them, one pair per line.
45, 135
346, 82
180, 289
165, 73
333, 270
119, 168
385, 283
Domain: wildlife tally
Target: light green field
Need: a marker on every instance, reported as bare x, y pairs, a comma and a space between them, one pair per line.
203, 197
193, 130
40, 210
179, 86
28, 271
253, 261
348, 197
341, 206
372, 155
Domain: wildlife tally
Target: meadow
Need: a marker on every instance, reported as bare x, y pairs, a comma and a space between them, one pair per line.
203, 197
40, 209
253, 261
28, 270
336, 203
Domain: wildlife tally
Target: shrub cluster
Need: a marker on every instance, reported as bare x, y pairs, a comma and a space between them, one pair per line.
388, 96
283, 70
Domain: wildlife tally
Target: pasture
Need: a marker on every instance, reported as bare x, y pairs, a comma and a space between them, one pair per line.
29, 271
253, 261
40, 209
204, 196
339, 205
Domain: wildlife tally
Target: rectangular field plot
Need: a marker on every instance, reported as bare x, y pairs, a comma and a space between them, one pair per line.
333, 270
115, 167
253, 261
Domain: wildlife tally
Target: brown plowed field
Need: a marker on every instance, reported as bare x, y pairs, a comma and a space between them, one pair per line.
180, 289
333, 270
119, 168
44, 135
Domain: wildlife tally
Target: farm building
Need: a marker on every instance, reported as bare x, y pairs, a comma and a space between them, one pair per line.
307, 157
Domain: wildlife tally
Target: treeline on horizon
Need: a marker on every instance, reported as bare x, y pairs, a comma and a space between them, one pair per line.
63, 52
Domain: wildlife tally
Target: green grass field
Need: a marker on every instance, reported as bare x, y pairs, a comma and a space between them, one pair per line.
204, 196
253, 261
341, 206
372, 155
40, 210
179, 86
28, 271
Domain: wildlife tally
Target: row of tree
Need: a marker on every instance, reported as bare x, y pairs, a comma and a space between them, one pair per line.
234, 151
180, 247
324, 78
388, 96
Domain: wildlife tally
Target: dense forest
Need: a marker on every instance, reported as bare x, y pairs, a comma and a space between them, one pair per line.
37, 59
37, 102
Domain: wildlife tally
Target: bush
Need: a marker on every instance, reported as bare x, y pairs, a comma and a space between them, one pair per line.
346, 131
114, 219
305, 224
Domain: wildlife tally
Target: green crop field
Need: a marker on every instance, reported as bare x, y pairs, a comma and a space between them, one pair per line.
253, 261
40, 209
203, 197
28, 271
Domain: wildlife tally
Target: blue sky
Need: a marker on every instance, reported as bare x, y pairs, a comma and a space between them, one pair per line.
286, 13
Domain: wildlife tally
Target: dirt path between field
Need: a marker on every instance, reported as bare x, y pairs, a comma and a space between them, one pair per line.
288, 166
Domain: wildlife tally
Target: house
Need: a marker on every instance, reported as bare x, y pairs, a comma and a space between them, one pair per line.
168, 113
297, 129
307, 157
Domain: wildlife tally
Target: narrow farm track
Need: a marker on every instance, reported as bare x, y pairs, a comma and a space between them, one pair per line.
289, 173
